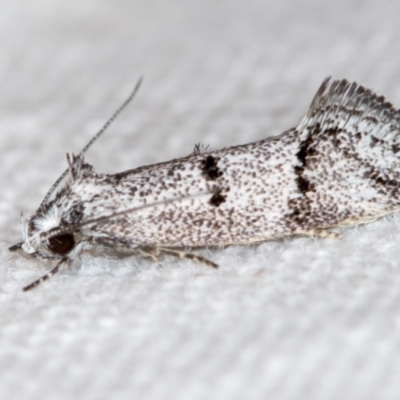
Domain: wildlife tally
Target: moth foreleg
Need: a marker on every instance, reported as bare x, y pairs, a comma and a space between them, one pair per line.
47, 276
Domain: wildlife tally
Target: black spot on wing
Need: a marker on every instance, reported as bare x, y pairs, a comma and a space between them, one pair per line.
217, 198
209, 168
305, 149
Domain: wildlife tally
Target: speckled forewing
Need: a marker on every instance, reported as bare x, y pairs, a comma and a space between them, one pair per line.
235, 195
338, 166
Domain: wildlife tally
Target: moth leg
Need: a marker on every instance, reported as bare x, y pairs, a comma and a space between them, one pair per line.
184, 254
16, 247
149, 252
322, 233
47, 276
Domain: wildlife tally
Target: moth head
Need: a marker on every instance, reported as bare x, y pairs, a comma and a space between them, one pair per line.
46, 233
45, 237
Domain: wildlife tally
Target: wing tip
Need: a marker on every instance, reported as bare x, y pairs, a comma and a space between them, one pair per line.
352, 96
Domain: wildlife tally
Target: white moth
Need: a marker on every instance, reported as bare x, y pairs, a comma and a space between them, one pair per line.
338, 167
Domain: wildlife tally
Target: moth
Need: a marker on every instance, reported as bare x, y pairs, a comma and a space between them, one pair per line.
339, 167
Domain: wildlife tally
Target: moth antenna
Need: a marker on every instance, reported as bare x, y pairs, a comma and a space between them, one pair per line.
95, 137
73, 228
129, 210
45, 277
113, 117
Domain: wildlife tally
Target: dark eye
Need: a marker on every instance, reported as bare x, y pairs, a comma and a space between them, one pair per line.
61, 244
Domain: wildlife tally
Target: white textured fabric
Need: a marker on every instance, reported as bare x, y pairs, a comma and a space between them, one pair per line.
296, 319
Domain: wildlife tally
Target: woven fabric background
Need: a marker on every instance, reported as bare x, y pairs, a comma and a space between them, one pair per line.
295, 319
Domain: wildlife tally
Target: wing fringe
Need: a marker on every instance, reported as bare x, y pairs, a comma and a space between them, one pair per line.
341, 103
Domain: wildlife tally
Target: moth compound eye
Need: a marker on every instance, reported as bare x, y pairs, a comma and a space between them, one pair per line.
61, 244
